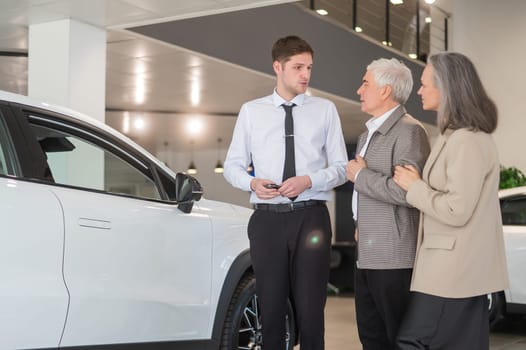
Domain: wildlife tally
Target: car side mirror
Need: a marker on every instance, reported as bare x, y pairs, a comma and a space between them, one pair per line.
187, 191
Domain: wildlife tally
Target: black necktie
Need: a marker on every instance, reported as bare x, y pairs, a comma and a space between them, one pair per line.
289, 168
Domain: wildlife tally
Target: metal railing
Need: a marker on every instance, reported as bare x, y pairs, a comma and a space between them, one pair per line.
413, 27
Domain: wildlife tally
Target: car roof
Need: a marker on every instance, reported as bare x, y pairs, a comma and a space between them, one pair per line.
16, 98
509, 192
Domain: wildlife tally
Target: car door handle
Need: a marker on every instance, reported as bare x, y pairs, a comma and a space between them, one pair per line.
95, 223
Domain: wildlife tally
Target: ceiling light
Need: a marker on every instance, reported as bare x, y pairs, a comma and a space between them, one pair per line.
428, 19
397, 2
194, 126
358, 29
430, 2
413, 56
139, 123
139, 89
219, 166
140, 66
195, 93
195, 61
322, 12
192, 170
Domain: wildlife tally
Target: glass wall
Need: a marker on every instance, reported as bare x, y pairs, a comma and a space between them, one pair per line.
412, 27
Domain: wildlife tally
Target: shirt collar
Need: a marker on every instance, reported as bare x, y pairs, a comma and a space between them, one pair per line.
375, 123
277, 100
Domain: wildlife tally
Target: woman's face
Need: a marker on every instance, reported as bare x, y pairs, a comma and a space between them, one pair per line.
428, 92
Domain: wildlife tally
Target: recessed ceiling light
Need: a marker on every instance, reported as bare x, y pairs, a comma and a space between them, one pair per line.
430, 2
358, 29
397, 2
194, 126
322, 12
428, 19
139, 123
139, 89
413, 56
195, 93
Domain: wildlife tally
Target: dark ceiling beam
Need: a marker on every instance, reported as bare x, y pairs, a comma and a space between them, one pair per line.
13, 53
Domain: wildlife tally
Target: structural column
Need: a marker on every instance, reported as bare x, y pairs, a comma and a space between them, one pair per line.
67, 65
492, 34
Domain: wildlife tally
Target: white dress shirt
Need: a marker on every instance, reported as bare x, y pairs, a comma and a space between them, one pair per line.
372, 125
259, 137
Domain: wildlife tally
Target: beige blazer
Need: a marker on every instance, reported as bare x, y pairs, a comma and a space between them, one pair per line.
460, 247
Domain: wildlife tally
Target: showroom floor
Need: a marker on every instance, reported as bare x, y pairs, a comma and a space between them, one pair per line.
341, 333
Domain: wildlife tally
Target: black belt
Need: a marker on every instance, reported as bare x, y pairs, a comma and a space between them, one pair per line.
287, 207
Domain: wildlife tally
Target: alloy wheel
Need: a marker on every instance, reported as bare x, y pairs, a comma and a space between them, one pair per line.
250, 336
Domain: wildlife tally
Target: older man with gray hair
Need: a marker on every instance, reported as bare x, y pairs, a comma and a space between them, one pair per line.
386, 225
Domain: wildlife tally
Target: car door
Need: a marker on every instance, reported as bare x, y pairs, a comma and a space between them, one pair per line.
33, 296
137, 269
514, 227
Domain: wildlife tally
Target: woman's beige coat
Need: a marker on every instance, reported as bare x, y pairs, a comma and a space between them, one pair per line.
460, 248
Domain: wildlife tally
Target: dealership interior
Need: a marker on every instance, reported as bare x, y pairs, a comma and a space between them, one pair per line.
172, 75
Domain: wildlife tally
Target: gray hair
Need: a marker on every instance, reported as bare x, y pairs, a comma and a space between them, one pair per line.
464, 102
394, 73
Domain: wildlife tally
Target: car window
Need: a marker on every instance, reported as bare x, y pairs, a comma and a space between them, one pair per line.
168, 185
6, 155
514, 211
77, 162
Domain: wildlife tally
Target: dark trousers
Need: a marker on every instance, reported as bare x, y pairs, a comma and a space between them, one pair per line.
381, 298
434, 322
291, 256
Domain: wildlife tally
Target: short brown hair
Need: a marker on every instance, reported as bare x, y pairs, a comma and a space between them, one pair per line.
289, 46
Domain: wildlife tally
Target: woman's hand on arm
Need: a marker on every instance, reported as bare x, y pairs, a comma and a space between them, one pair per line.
404, 176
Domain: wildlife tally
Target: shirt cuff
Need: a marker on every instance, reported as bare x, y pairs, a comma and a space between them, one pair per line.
317, 180
245, 183
356, 176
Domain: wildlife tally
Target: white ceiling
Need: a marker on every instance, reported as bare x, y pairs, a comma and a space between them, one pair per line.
169, 73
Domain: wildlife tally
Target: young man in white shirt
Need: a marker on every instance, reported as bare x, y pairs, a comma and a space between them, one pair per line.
290, 231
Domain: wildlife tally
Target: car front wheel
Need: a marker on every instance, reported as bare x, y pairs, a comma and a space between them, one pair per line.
242, 328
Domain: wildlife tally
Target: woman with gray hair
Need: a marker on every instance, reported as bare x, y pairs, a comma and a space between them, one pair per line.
460, 250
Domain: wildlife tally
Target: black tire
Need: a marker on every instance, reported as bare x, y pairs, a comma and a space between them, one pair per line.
242, 327
496, 304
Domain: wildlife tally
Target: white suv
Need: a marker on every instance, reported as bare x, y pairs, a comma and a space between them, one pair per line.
512, 300
102, 245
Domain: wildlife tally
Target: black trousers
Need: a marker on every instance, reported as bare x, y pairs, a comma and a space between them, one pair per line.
381, 298
291, 256
436, 323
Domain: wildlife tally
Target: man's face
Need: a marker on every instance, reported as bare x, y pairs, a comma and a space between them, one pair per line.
372, 97
428, 92
293, 75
